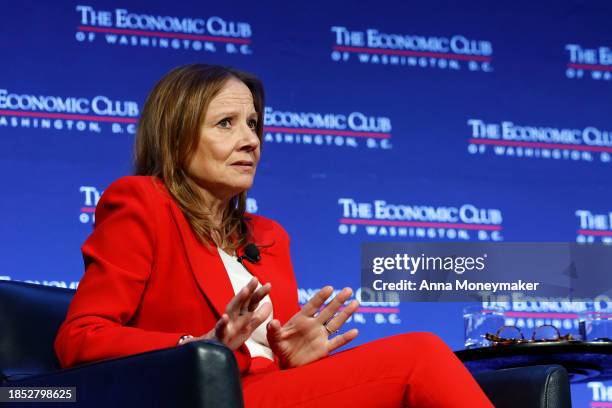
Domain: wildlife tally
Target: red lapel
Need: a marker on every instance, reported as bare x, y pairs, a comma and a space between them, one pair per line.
206, 264
211, 275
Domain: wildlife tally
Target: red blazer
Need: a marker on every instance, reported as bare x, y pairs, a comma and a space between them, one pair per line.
148, 280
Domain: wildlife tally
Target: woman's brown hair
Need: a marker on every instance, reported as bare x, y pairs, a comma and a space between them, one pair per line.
168, 135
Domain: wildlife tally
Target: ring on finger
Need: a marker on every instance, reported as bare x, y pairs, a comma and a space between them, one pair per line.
329, 331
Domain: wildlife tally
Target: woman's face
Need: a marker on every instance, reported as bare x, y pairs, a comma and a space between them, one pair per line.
227, 154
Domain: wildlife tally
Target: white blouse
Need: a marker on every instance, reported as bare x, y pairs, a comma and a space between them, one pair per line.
258, 342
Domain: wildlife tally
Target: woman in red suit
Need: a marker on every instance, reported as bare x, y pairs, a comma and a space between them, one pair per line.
163, 268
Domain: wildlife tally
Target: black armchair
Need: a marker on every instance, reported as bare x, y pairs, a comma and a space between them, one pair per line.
199, 374
545, 386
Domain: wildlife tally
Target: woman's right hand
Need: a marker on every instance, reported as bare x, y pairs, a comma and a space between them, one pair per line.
242, 316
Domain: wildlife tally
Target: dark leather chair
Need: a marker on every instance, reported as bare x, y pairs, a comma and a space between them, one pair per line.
199, 374
545, 386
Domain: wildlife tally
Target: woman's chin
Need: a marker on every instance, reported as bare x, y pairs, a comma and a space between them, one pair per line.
241, 188
244, 183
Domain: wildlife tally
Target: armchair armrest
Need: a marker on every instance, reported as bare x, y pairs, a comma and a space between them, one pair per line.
543, 386
198, 374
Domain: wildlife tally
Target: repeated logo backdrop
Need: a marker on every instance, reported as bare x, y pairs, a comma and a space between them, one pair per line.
384, 121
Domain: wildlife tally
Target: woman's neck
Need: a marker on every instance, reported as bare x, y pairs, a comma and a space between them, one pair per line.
215, 206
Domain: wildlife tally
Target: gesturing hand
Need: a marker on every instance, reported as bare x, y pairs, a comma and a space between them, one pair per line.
305, 337
241, 316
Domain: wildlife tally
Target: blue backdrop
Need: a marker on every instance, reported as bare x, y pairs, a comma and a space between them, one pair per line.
381, 117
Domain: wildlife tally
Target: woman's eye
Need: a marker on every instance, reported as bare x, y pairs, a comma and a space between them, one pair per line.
252, 124
225, 123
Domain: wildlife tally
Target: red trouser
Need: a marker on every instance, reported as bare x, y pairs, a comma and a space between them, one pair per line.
408, 370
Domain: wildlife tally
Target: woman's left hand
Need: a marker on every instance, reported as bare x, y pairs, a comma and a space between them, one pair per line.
305, 337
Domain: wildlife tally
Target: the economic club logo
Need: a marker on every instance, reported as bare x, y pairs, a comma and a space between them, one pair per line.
351, 130
67, 113
594, 226
380, 218
601, 394
375, 307
585, 62
90, 195
509, 139
373, 46
122, 27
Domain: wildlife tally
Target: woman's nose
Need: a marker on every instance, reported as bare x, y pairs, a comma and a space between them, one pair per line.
249, 139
